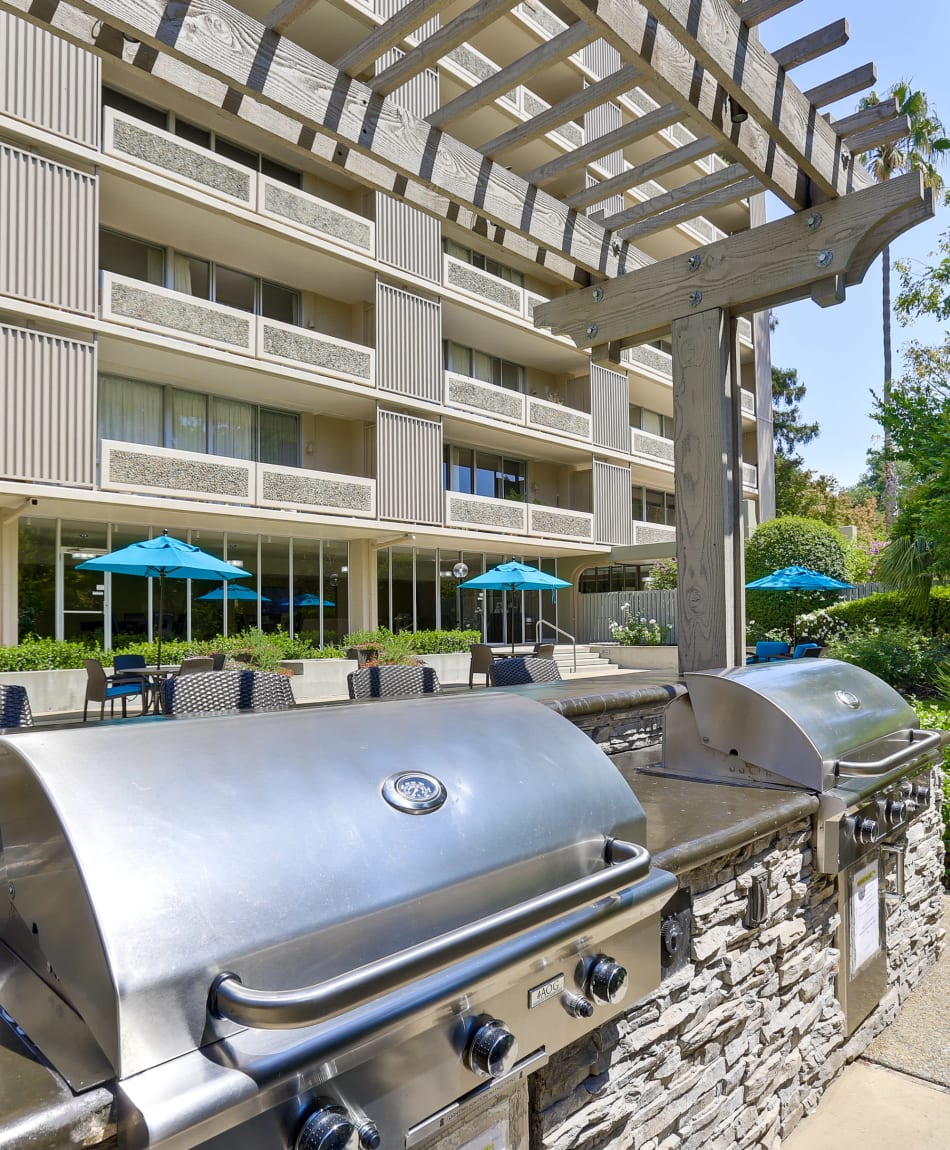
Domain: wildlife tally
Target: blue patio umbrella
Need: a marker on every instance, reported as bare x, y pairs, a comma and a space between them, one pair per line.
234, 591
796, 579
307, 600
164, 557
515, 577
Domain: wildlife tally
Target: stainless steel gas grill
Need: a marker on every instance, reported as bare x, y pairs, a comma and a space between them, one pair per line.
319, 929
834, 729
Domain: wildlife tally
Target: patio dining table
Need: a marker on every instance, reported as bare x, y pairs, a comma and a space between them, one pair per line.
156, 675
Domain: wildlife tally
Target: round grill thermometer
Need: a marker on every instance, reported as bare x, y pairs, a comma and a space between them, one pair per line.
414, 792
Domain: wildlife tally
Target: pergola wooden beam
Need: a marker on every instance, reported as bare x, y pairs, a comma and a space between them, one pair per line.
430, 50
713, 34
691, 209
388, 35
810, 47
848, 126
503, 81
753, 12
640, 129
857, 80
218, 41
282, 15
772, 264
885, 133
616, 84
619, 222
649, 170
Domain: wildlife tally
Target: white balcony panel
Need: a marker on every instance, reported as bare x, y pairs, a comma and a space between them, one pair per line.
560, 523
167, 154
531, 301
408, 468
750, 476
135, 467
654, 448
287, 343
486, 398
48, 82
747, 400
311, 214
482, 513
612, 496
48, 253
318, 491
654, 360
157, 309
47, 408
652, 532
483, 285
560, 418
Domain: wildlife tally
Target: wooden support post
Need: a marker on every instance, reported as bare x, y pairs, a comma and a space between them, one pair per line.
708, 473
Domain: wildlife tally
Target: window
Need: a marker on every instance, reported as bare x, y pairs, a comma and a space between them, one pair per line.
486, 263
481, 365
652, 421
618, 577
651, 506
127, 256
474, 472
134, 412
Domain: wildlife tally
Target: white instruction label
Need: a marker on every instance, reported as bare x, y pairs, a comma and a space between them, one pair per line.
865, 915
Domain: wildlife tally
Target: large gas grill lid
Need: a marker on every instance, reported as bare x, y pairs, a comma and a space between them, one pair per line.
803, 719
147, 858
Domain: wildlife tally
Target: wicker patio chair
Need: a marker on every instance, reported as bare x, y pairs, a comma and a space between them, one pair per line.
102, 688
209, 691
392, 679
518, 669
196, 665
14, 707
482, 663
544, 650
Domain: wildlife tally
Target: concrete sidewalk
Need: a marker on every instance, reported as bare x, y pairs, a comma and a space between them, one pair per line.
898, 1092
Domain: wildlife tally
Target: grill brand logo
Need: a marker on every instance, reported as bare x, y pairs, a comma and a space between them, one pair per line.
538, 995
414, 792
849, 699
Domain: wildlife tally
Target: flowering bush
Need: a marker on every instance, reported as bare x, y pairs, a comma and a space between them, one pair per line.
820, 626
664, 574
640, 632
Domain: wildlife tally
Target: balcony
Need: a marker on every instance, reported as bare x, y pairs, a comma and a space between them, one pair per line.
170, 157
144, 470
461, 391
750, 477
490, 289
146, 307
652, 532
512, 516
747, 400
652, 449
656, 362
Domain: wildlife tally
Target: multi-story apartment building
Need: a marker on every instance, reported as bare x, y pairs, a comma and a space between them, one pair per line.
203, 331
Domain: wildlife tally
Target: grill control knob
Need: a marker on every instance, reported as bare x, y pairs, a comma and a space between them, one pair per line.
922, 794
328, 1128
865, 830
492, 1050
606, 981
368, 1135
906, 789
577, 1006
896, 811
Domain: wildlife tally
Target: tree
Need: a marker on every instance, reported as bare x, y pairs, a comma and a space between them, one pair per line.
787, 427
870, 485
921, 149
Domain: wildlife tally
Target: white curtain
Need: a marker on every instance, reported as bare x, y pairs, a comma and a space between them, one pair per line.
189, 430
129, 411
182, 273
235, 428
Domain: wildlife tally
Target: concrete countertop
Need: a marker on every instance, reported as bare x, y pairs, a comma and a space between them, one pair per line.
38, 1109
574, 698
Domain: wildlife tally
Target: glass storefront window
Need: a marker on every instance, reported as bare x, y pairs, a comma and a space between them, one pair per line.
427, 588
336, 588
242, 613
36, 573
130, 593
402, 589
275, 584
207, 615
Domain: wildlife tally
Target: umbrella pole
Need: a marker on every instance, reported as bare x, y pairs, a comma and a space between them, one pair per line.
161, 612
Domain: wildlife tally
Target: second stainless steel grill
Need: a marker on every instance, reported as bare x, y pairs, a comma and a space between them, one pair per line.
320, 928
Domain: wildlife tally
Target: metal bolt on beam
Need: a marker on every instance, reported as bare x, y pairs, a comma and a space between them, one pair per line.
592, 329
597, 294
695, 298
813, 222
824, 258
695, 262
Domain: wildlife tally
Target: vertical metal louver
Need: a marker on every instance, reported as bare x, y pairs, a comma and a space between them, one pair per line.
610, 408
613, 515
48, 232
598, 122
47, 408
408, 468
600, 58
48, 82
408, 343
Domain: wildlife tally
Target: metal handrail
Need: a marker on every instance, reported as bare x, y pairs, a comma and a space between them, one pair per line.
554, 627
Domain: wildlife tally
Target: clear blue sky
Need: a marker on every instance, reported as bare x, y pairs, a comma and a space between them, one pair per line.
838, 351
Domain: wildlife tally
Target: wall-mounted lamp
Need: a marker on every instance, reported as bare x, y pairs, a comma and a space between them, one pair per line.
737, 113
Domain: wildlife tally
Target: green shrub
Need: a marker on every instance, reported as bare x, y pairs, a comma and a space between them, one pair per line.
786, 542
443, 642
896, 609
665, 574
639, 632
35, 654
901, 656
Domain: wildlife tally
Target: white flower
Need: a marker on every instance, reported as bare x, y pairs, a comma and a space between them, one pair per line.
653, 622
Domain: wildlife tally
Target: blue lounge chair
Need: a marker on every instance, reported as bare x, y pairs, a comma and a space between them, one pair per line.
767, 652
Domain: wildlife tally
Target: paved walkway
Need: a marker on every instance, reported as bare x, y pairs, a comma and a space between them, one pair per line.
898, 1093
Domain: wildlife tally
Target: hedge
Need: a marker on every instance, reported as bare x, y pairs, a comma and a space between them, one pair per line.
786, 542
893, 609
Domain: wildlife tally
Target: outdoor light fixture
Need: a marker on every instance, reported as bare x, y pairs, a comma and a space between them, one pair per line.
737, 113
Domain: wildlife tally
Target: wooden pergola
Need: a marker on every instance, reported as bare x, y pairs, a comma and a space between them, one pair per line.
703, 62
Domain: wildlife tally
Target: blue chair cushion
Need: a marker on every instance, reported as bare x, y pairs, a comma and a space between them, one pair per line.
123, 689
800, 650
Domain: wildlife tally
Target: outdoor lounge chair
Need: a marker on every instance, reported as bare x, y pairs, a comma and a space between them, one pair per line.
102, 688
14, 707
521, 669
806, 651
768, 652
210, 691
482, 663
392, 679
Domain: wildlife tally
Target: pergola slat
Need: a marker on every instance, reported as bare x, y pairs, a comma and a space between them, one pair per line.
692, 209
400, 25
857, 80
649, 170
815, 44
681, 195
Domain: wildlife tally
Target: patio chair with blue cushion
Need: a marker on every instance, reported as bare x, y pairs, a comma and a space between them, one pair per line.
392, 679
124, 668
102, 688
767, 652
520, 669
805, 651
14, 707
209, 691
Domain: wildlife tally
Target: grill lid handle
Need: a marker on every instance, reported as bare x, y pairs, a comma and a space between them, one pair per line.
306, 1006
919, 743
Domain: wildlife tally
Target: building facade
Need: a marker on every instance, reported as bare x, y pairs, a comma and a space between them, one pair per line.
205, 330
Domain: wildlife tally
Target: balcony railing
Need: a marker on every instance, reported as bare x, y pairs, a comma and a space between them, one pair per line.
659, 363
656, 449
652, 532
151, 308
747, 400
750, 477
488, 288
517, 518
145, 470
192, 166
461, 391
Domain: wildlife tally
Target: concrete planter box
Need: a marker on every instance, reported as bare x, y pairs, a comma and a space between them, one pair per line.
52, 691
316, 679
661, 658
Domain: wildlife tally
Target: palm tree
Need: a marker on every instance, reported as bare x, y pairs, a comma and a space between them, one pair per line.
921, 149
